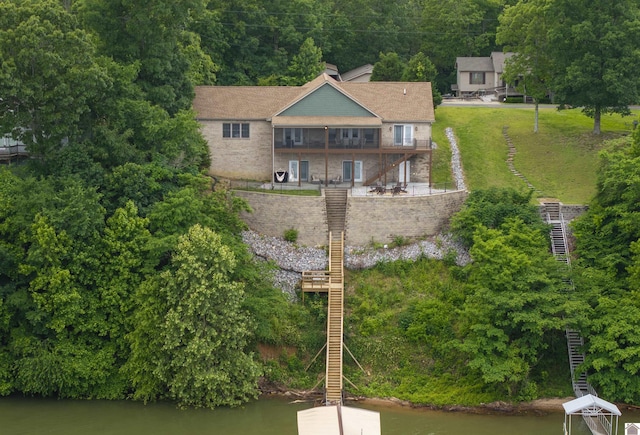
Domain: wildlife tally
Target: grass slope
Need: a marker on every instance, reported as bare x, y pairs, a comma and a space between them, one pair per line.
560, 160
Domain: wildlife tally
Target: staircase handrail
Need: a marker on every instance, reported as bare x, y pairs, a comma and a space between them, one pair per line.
329, 268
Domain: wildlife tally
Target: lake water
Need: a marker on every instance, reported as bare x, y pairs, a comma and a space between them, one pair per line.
269, 416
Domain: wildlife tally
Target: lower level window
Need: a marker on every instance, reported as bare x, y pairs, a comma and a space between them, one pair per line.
235, 130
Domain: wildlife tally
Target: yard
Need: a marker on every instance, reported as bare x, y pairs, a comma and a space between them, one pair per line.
560, 160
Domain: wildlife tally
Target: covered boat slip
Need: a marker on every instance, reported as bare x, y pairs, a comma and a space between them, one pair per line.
338, 420
600, 416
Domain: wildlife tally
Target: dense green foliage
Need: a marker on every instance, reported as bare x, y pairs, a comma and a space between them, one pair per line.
585, 55
435, 333
492, 208
607, 277
122, 274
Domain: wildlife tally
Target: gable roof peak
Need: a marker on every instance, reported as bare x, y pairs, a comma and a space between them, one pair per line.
318, 81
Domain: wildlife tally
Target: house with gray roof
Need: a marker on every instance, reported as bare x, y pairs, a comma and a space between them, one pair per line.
479, 76
325, 132
359, 74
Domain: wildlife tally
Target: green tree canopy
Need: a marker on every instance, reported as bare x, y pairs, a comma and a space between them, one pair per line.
524, 30
50, 78
389, 68
607, 277
514, 305
200, 349
421, 69
491, 208
586, 53
306, 65
153, 35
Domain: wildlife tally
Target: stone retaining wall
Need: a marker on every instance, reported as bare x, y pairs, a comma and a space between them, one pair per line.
377, 219
380, 219
273, 214
569, 212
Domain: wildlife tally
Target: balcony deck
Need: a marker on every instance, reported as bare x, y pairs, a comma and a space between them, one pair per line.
10, 152
348, 147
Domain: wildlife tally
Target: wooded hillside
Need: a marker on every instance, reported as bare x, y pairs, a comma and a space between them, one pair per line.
123, 273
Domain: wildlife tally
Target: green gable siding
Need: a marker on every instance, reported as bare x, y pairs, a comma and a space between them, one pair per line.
326, 101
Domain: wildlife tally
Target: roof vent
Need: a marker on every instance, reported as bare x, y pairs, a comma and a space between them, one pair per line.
405, 91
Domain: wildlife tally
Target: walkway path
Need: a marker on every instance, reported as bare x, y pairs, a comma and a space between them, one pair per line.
510, 157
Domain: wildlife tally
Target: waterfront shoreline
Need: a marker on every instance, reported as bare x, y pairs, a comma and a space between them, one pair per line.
541, 406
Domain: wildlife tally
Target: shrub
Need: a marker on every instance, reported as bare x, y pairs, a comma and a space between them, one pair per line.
291, 235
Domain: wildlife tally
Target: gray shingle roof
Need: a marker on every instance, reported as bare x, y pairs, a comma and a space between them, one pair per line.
474, 64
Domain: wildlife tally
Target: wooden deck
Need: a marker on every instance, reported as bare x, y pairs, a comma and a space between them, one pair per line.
315, 281
10, 152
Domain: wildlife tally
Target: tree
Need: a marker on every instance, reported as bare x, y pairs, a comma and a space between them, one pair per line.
595, 56
152, 34
199, 351
524, 30
514, 305
421, 69
364, 28
491, 208
612, 223
608, 273
49, 75
306, 65
454, 28
389, 68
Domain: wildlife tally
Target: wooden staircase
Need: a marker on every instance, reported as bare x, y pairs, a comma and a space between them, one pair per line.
332, 281
336, 205
333, 377
369, 181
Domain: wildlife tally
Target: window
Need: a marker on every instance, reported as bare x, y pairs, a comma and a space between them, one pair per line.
292, 136
235, 130
476, 78
403, 134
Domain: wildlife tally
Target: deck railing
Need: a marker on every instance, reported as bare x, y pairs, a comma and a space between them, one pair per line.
315, 279
10, 151
351, 144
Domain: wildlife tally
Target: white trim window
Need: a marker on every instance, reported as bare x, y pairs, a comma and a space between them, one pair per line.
235, 130
403, 134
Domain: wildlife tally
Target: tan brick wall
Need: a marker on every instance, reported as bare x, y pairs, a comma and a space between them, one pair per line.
379, 219
273, 214
421, 131
419, 166
248, 159
251, 159
369, 219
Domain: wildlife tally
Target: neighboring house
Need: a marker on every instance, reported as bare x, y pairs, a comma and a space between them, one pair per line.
11, 149
360, 74
324, 131
332, 71
479, 76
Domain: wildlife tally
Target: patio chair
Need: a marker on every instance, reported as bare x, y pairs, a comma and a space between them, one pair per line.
378, 188
399, 188
336, 180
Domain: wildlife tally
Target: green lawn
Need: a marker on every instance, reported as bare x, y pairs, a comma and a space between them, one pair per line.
560, 160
